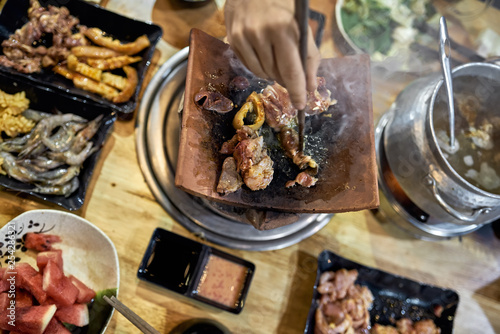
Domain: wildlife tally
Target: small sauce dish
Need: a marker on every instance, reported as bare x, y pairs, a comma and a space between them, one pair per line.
196, 271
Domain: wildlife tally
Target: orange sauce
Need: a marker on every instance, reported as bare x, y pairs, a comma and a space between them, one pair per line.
222, 281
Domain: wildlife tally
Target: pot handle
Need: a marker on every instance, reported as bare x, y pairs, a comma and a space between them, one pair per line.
431, 183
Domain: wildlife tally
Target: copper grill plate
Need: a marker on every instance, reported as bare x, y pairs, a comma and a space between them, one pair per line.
347, 176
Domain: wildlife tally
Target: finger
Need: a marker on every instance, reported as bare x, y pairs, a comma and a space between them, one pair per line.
291, 70
265, 54
313, 61
245, 52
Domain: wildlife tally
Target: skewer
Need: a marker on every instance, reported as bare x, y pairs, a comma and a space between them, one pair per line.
131, 316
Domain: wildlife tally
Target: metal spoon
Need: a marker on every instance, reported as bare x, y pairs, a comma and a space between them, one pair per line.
444, 53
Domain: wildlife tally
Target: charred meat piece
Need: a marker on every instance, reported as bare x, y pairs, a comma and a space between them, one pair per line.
230, 180
289, 140
244, 133
304, 179
278, 107
251, 159
343, 306
213, 100
239, 83
407, 326
255, 166
320, 100
18, 49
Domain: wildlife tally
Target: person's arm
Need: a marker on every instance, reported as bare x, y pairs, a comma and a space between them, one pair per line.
265, 37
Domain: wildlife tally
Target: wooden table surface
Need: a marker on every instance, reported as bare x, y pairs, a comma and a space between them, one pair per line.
120, 203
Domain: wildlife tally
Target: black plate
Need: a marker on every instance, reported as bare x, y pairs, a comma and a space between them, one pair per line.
393, 295
178, 264
47, 100
14, 16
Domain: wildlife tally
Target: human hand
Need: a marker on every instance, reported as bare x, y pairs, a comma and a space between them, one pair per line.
265, 36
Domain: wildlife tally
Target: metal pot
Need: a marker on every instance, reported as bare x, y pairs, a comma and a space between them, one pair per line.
418, 163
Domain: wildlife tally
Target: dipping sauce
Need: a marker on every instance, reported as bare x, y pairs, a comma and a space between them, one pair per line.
222, 281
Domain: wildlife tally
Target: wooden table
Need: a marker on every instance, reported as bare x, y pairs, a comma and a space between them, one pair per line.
120, 203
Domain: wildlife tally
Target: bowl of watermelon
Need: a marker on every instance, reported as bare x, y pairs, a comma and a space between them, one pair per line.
55, 269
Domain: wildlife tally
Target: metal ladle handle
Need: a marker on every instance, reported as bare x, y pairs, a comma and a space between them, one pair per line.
444, 53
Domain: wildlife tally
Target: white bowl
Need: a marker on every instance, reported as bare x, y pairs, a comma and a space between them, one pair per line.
88, 254
405, 61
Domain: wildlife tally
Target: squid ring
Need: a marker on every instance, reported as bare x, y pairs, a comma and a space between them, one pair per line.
254, 104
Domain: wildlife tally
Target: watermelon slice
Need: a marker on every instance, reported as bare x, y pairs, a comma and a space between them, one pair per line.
4, 285
30, 280
4, 301
76, 314
23, 299
11, 275
28, 320
85, 294
43, 257
40, 241
56, 327
52, 273
58, 286
63, 292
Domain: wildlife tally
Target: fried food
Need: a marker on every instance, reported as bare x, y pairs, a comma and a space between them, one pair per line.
114, 80
86, 83
113, 62
91, 51
93, 86
130, 86
84, 69
64, 71
72, 55
12, 122
97, 36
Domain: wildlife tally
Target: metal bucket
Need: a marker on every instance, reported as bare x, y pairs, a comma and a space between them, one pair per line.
418, 163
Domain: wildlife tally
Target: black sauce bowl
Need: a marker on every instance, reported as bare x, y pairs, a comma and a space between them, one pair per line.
177, 263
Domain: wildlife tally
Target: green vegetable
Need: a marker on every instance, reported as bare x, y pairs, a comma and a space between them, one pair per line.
99, 312
368, 24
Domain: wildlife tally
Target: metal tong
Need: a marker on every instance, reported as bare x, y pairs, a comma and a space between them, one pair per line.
444, 53
302, 18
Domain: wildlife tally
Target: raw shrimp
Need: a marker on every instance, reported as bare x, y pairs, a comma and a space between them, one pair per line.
65, 189
74, 158
63, 139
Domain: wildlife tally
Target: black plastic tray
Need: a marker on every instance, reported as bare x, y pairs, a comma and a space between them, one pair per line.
14, 15
177, 264
47, 100
393, 295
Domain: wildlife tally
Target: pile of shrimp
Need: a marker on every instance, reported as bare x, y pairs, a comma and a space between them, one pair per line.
51, 155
